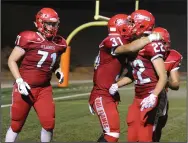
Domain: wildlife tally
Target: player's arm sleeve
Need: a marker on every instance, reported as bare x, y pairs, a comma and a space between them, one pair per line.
153, 51
127, 77
174, 78
63, 46
22, 41
60, 42
177, 64
111, 43
129, 72
57, 63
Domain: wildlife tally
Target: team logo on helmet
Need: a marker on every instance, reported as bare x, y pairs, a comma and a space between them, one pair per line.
141, 17
120, 22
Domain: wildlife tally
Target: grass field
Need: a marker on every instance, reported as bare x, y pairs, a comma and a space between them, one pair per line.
75, 123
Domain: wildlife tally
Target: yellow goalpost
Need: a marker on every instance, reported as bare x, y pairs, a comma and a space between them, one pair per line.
65, 58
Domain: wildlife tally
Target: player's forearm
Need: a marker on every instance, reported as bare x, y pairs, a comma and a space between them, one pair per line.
124, 81
133, 47
160, 84
14, 69
174, 80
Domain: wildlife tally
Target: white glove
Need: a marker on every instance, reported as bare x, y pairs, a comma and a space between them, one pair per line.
154, 37
23, 87
59, 75
113, 89
148, 102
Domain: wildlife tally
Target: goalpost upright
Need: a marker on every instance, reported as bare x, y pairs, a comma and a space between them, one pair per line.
136, 4
65, 58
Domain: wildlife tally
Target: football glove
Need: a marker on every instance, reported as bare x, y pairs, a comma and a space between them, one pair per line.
113, 89
23, 86
59, 75
154, 37
148, 102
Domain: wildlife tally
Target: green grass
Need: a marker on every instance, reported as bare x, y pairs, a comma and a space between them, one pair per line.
75, 123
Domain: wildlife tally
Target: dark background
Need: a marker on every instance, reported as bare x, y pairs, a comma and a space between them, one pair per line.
18, 16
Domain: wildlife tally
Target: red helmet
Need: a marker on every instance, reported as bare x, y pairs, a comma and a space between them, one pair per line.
165, 34
119, 24
143, 21
47, 22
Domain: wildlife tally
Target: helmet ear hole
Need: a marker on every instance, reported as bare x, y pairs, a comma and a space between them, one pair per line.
124, 30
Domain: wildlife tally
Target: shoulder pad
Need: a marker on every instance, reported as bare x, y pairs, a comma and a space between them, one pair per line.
60, 41
26, 37
154, 48
32, 36
112, 41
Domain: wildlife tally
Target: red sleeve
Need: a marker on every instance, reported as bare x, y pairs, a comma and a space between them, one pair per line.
177, 65
61, 42
24, 38
154, 50
112, 42
173, 61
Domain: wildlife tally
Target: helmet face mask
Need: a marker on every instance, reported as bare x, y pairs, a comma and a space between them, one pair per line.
47, 22
50, 28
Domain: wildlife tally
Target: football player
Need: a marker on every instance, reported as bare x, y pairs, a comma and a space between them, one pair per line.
40, 51
172, 64
108, 67
149, 78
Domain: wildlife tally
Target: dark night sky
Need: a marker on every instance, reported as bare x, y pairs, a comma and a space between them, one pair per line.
19, 16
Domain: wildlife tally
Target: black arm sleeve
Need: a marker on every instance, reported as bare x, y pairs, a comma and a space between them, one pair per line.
129, 72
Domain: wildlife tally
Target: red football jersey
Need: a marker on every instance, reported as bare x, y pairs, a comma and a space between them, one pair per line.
108, 66
144, 73
173, 61
40, 56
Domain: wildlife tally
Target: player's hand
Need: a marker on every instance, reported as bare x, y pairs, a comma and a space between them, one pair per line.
148, 102
113, 89
23, 87
155, 36
59, 75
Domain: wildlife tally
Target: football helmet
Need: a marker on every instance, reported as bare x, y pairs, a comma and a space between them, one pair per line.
143, 22
165, 36
47, 22
120, 24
